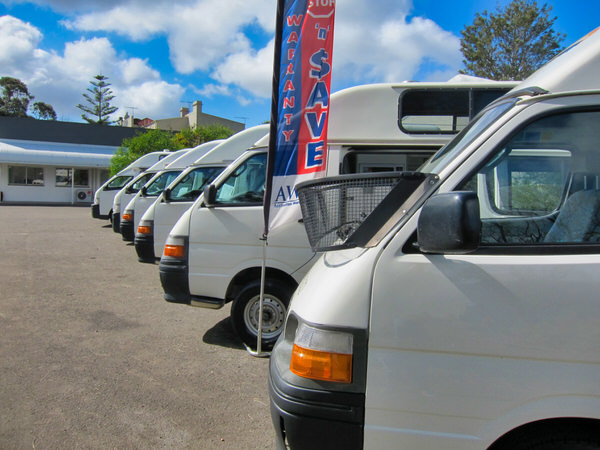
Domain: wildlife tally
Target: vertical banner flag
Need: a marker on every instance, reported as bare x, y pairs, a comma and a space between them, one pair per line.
300, 107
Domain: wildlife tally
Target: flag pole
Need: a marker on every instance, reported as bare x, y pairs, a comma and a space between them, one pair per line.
268, 181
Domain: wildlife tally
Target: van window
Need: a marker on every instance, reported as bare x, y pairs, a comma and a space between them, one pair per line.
118, 182
542, 186
247, 184
140, 182
192, 184
372, 160
161, 182
442, 111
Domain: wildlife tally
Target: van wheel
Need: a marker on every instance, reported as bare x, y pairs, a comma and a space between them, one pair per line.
570, 435
245, 310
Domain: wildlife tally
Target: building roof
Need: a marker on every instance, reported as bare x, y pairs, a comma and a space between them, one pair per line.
26, 128
55, 154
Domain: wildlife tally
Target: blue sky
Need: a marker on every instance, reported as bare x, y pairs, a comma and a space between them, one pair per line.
161, 55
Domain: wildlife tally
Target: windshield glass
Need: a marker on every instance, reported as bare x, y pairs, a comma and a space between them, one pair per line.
161, 182
192, 184
246, 184
119, 182
468, 135
142, 180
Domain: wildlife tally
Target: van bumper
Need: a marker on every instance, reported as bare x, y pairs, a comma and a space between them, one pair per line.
127, 231
308, 418
174, 280
144, 247
96, 210
116, 222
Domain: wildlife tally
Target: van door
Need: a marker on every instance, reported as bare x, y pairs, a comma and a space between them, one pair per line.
225, 238
463, 348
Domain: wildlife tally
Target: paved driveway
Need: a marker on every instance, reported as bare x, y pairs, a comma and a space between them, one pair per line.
91, 356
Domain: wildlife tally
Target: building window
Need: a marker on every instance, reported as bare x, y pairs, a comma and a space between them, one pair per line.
64, 177
29, 176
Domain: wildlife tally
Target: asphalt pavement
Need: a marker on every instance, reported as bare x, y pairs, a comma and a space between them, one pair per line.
91, 356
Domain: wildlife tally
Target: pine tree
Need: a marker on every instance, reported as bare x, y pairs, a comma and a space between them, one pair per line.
99, 102
511, 43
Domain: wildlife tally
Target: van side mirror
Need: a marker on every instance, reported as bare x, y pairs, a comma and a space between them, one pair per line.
450, 223
210, 195
144, 191
167, 195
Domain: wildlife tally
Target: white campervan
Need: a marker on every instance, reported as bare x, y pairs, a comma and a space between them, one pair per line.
466, 315
104, 196
124, 196
213, 254
155, 185
159, 218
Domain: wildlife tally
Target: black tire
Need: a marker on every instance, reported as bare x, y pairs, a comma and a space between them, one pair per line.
569, 434
245, 308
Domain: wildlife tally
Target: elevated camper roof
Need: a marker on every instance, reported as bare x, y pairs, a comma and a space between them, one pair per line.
574, 69
409, 112
172, 156
233, 147
193, 154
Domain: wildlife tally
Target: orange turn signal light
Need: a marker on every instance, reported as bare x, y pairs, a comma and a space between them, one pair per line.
174, 251
144, 230
321, 365
127, 216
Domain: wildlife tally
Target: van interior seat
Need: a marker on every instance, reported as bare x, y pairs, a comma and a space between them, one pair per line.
578, 220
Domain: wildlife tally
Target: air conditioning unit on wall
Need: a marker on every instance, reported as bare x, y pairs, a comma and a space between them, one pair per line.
83, 195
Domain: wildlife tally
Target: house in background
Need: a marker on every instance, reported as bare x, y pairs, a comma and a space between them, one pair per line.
44, 161
187, 119
52, 162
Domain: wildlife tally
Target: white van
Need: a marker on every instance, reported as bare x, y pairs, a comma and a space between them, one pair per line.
154, 186
129, 191
371, 129
159, 218
103, 198
467, 314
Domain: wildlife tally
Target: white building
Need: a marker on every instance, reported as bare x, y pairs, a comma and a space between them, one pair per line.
53, 162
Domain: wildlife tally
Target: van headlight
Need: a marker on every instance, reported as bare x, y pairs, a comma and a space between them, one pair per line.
322, 354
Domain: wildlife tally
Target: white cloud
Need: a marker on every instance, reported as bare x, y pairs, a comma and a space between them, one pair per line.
61, 79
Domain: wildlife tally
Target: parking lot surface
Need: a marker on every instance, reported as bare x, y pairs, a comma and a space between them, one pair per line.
91, 356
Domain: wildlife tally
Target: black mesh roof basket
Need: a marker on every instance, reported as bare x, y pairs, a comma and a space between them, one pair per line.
347, 210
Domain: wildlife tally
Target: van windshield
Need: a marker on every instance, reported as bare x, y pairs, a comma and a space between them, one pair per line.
468, 135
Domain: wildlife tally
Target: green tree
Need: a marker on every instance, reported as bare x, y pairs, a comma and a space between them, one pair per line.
511, 43
15, 97
44, 111
146, 142
190, 138
99, 101
15, 101
158, 140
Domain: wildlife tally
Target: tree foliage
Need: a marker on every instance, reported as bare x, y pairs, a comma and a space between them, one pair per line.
190, 138
99, 101
511, 43
158, 140
15, 101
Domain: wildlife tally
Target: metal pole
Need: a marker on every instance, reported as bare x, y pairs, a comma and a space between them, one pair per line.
259, 353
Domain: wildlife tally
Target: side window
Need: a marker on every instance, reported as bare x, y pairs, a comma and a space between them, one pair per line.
541, 187
246, 185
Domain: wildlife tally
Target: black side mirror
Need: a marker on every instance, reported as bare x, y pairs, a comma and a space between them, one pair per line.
450, 223
143, 191
210, 195
167, 194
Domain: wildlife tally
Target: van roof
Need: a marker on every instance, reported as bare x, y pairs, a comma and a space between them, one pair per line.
575, 69
193, 154
235, 145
